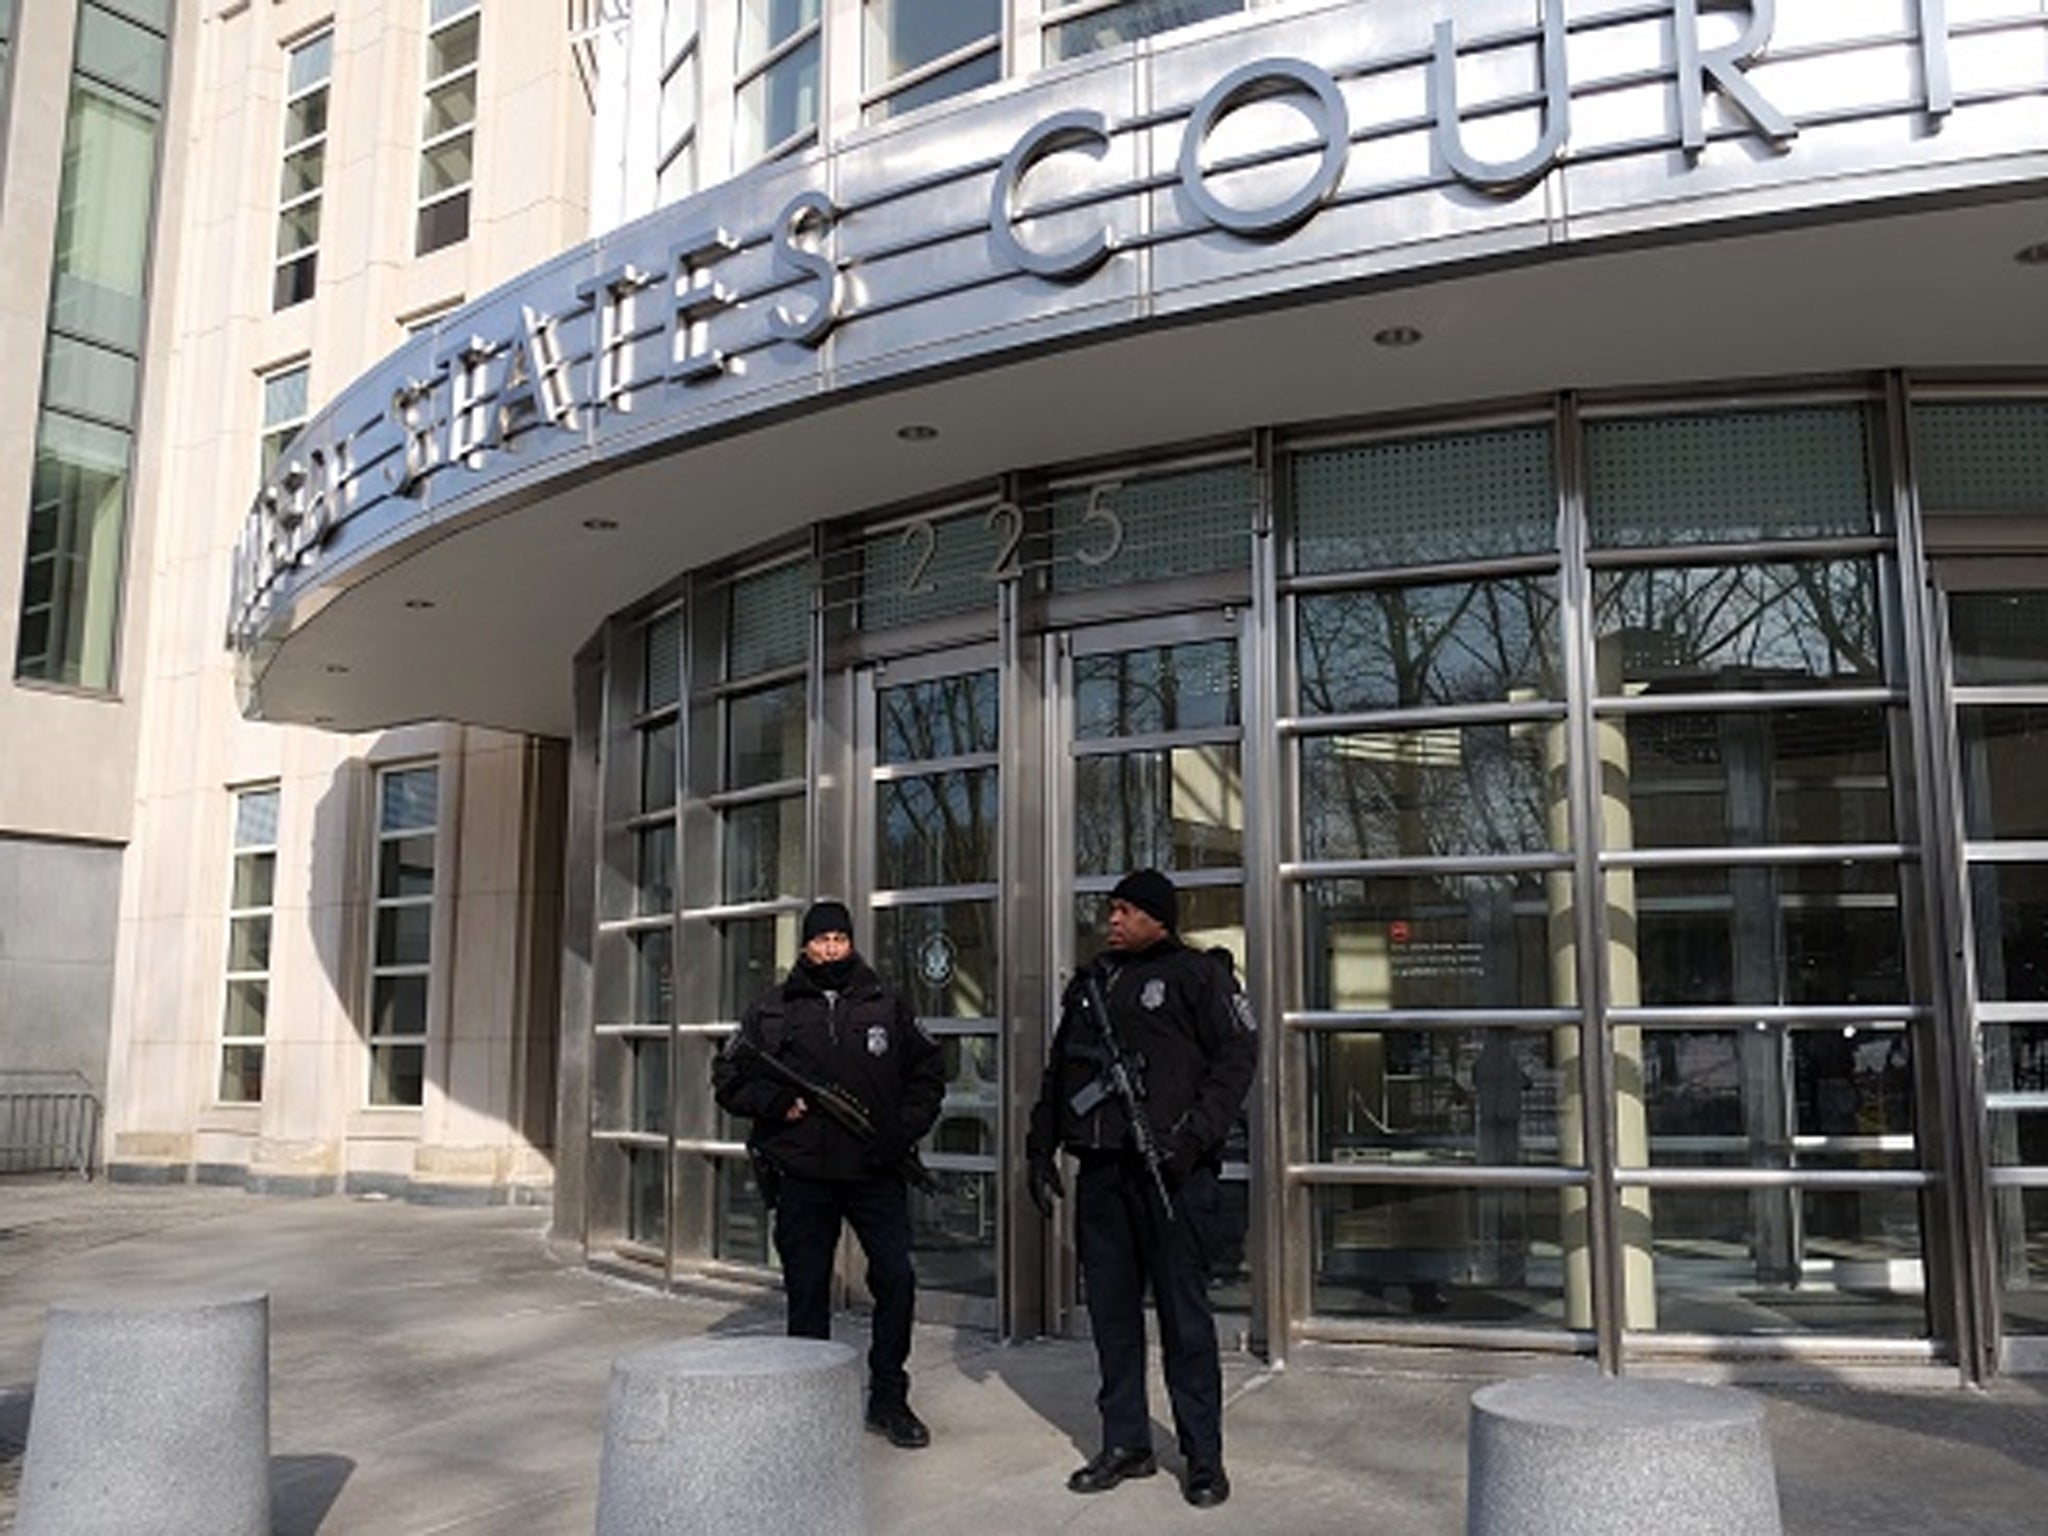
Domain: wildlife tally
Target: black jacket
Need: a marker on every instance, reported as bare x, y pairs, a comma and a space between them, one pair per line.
1175, 1011
863, 1039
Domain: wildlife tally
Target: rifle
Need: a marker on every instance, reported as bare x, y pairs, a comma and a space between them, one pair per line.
841, 1106
1125, 1083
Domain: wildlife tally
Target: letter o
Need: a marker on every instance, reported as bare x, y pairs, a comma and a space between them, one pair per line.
1248, 82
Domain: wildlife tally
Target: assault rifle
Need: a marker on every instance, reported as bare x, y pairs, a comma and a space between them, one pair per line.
834, 1101
1120, 1077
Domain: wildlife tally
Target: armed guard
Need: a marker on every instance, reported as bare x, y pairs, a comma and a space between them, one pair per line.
1142, 1099
879, 1080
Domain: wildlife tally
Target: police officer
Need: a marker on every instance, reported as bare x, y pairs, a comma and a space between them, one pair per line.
835, 1025
1140, 1222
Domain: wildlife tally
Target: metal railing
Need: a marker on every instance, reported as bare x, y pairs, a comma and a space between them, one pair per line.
49, 1122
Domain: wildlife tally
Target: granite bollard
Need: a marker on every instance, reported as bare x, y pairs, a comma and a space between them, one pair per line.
1606, 1456
734, 1434
151, 1417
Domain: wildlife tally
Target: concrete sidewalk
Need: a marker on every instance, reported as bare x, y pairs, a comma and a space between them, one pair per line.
445, 1371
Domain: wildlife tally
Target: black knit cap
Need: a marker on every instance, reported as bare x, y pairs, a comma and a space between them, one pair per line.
1150, 891
827, 917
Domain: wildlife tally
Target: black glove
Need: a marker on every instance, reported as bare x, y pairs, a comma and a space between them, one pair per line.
1181, 1155
1045, 1184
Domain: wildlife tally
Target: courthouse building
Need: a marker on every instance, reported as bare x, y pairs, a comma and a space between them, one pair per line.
1535, 511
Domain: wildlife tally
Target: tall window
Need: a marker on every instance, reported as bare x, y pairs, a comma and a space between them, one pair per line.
284, 412
402, 939
71, 576
777, 79
919, 51
252, 885
1084, 26
448, 123
308, 69
676, 168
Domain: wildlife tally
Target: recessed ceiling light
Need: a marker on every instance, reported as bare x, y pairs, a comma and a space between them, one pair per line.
335, 668
601, 524
419, 602
2035, 255
1397, 336
917, 432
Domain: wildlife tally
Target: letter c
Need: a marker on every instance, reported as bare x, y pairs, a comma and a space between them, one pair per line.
1078, 129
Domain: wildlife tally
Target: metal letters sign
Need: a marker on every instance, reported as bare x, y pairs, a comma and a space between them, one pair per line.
771, 290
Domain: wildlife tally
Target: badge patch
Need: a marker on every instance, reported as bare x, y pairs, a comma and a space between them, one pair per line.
878, 1040
1154, 993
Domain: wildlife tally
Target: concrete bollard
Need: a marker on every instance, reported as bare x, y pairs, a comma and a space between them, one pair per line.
151, 1415
738, 1434
1602, 1456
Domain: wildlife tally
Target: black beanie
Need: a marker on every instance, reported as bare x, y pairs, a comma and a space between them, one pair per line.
827, 917
1150, 891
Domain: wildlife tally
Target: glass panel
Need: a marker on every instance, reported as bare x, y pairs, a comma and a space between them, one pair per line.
765, 24
650, 1103
1160, 688
72, 564
1690, 629
1824, 933
764, 850
1484, 1258
2002, 750
765, 736
655, 865
116, 50
942, 956
103, 218
2023, 1257
1435, 1096
285, 399
770, 620
741, 1225
306, 119
2016, 1073
1721, 1266
953, 1234
1443, 941
298, 227
249, 943
404, 934
444, 223
256, 819
255, 879
447, 165
927, 569
937, 829
398, 1074
945, 717
777, 105
410, 800
646, 1196
449, 107
970, 1116
1488, 642
756, 953
309, 63
248, 1006
241, 1074
902, 34
88, 380
292, 285
1185, 523
1426, 501
658, 748
1998, 637
1441, 791
1178, 808
662, 663
1793, 777
1128, 22
983, 69
1730, 477
398, 1006
406, 866
1986, 458
453, 47
654, 976
1736, 1098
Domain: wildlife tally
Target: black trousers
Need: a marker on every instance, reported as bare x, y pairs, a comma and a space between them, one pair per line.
1127, 1247
807, 1217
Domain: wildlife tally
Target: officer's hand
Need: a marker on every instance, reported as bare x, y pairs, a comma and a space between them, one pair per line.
1045, 1184
797, 1109
1180, 1157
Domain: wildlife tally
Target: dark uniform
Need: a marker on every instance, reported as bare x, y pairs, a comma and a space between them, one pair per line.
1175, 1015
837, 1025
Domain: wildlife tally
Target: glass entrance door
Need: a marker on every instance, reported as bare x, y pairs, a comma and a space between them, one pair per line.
1998, 649
1148, 723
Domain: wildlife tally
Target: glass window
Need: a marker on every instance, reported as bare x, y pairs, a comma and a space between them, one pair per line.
1450, 940
676, 158
1124, 21
1151, 528
1998, 638
447, 124
1982, 458
252, 890
308, 69
778, 71
401, 951
285, 409
1472, 642
1482, 1258
905, 37
1446, 791
1435, 1095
